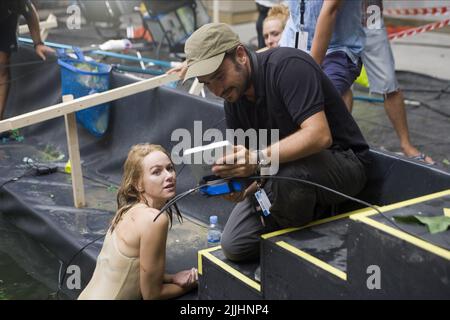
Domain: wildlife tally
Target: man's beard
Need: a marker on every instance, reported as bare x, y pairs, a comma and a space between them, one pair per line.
242, 72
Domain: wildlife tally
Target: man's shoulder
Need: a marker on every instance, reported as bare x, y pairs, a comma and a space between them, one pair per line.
276, 59
281, 53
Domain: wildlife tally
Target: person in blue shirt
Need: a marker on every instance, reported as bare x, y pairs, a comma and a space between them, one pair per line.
333, 35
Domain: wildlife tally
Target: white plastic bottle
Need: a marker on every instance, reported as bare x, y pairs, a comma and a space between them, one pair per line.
214, 234
121, 44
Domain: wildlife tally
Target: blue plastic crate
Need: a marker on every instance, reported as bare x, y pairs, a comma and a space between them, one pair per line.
81, 78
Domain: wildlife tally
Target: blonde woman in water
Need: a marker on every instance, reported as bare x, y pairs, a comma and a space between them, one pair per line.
131, 264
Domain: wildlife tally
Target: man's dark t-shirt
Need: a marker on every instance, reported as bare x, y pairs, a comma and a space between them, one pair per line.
12, 7
10, 10
290, 87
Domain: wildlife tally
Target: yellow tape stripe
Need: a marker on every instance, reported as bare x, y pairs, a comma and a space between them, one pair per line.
278, 233
314, 223
404, 236
319, 263
255, 285
371, 212
200, 253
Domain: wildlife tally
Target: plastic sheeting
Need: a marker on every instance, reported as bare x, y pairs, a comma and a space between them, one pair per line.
43, 206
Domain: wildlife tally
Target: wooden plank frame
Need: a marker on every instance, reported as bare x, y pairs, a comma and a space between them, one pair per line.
70, 120
68, 108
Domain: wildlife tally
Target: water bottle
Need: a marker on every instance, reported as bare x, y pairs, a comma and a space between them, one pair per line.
214, 233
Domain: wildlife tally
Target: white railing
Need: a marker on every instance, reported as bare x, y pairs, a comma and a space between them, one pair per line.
67, 109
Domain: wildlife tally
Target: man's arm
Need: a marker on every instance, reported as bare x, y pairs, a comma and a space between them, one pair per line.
324, 29
313, 136
32, 19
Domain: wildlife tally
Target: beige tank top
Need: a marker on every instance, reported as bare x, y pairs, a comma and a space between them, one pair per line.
116, 276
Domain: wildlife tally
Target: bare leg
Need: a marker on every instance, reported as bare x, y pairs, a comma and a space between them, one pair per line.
4, 81
348, 99
395, 109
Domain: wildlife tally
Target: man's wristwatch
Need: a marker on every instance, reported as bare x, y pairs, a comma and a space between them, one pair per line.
262, 161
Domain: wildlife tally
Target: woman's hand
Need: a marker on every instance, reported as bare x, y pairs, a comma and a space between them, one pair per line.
187, 279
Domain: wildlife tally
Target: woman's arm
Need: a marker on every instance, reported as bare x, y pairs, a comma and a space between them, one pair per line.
152, 259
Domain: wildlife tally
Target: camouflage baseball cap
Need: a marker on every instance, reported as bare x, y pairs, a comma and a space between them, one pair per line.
206, 48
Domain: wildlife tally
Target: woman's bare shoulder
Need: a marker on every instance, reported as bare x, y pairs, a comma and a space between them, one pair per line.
148, 217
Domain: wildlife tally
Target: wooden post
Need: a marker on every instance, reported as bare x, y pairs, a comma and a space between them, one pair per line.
216, 9
196, 88
74, 156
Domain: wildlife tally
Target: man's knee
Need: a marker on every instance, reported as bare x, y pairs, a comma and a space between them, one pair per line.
238, 250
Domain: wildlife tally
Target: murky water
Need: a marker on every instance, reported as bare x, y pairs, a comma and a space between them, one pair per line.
27, 269
17, 283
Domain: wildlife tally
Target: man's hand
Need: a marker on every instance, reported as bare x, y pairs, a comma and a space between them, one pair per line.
240, 163
42, 50
186, 279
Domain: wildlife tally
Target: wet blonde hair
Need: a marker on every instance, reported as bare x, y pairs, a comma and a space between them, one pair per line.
128, 194
278, 12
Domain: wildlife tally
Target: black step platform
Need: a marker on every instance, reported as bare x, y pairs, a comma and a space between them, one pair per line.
222, 279
307, 263
412, 263
357, 255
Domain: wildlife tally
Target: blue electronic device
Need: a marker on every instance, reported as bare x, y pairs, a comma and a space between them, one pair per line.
218, 188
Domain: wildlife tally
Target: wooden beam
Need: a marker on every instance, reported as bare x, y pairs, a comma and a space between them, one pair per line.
50, 23
67, 107
74, 157
216, 11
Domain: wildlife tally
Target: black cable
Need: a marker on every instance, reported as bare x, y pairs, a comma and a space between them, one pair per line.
365, 203
17, 178
188, 192
36, 167
442, 113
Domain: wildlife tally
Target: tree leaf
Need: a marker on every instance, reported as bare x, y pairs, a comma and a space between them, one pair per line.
434, 224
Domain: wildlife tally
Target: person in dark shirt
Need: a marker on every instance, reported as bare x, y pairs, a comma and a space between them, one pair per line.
10, 10
284, 90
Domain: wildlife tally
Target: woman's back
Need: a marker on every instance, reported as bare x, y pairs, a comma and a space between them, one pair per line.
117, 271
116, 276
